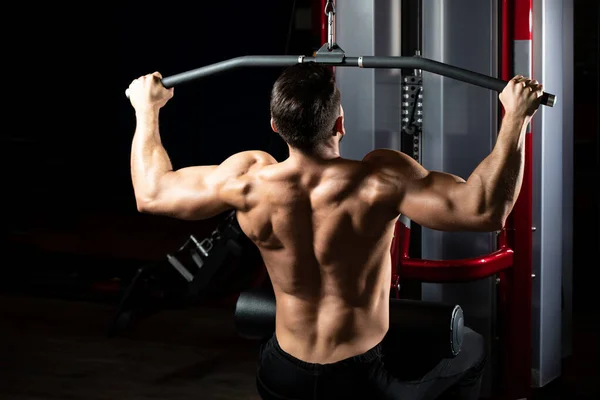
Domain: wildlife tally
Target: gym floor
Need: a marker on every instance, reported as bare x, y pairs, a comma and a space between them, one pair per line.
53, 348
57, 349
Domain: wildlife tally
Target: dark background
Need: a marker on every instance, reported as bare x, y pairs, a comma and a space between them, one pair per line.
71, 147
586, 205
67, 146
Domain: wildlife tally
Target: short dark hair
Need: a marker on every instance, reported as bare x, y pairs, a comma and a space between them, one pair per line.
305, 103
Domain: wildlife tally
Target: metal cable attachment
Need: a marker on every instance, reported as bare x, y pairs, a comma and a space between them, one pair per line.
330, 12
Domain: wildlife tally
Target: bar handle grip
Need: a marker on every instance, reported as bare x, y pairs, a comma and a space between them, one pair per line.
548, 99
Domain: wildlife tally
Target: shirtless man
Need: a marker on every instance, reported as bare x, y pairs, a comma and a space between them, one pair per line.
324, 226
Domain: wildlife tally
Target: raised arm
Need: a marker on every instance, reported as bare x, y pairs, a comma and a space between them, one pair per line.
446, 202
189, 193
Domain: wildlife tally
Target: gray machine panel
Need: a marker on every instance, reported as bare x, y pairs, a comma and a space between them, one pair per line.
458, 133
370, 97
356, 36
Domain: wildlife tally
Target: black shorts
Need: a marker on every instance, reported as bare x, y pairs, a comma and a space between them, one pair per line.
281, 376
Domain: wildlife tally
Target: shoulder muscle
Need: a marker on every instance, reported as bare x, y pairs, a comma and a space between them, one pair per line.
234, 174
395, 164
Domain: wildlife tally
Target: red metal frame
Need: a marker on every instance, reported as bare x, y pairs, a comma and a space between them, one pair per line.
504, 288
436, 271
515, 288
320, 26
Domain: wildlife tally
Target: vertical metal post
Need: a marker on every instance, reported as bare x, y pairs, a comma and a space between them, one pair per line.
551, 185
515, 285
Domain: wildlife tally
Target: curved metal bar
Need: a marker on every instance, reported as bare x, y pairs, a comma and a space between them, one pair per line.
415, 62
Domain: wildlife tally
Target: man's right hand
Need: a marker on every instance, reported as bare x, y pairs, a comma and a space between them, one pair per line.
148, 93
521, 96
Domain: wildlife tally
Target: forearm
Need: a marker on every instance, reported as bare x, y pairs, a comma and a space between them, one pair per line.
498, 177
149, 159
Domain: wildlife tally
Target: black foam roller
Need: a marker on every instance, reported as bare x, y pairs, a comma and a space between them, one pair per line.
255, 314
438, 325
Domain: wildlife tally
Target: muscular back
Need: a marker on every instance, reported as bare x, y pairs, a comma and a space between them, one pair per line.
324, 229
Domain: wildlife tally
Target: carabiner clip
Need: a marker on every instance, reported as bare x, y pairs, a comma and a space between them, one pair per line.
329, 7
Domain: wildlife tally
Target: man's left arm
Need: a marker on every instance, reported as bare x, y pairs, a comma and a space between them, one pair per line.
189, 193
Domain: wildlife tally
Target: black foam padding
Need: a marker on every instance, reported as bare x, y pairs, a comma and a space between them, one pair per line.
255, 314
439, 325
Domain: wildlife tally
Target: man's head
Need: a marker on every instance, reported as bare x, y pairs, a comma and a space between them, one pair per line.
305, 107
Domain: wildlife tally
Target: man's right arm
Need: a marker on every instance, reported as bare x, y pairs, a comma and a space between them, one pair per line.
446, 202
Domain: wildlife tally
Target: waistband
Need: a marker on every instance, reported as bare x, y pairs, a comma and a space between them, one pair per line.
370, 355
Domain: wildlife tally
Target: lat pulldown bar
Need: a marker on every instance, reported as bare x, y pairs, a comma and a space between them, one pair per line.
337, 58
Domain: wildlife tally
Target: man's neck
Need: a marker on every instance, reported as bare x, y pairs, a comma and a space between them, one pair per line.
322, 153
